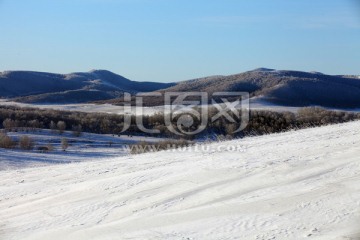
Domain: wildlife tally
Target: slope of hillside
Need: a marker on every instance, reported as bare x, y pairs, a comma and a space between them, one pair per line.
41, 87
282, 88
294, 185
287, 88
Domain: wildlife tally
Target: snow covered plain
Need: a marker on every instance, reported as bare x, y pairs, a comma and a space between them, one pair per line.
256, 103
296, 185
87, 147
88, 108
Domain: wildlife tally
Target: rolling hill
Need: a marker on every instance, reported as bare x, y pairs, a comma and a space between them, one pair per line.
287, 88
267, 86
41, 87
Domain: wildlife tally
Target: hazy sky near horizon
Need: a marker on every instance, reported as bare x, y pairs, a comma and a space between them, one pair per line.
173, 40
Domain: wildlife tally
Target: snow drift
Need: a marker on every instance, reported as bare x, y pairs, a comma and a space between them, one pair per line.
297, 185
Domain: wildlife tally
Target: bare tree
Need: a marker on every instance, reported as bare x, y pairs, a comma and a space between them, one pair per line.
26, 143
77, 130
9, 124
64, 144
53, 126
61, 125
6, 141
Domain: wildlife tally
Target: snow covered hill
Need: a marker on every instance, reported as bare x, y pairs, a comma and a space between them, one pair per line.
296, 185
79, 87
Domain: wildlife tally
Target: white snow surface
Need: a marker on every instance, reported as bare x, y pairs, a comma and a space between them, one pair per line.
297, 185
256, 103
87, 147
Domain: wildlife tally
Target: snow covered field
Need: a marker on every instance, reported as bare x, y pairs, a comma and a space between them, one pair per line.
87, 147
256, 103
88, 108
297, 185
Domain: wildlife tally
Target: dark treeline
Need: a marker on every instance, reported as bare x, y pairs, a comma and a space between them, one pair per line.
261, 122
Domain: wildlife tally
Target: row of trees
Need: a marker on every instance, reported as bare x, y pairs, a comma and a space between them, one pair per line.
28, 144
25, 142
261, 122
32, 125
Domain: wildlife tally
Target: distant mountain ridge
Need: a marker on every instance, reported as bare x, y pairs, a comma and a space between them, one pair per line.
78, 87
281, 87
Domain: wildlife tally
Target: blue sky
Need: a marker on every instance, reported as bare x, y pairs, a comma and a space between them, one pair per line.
172, 40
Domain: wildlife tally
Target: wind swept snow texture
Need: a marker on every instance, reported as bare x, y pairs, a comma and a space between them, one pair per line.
296, 185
